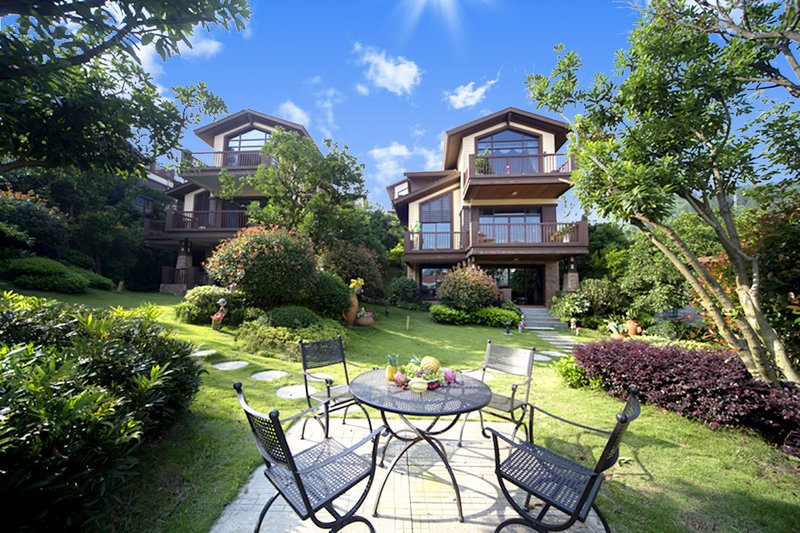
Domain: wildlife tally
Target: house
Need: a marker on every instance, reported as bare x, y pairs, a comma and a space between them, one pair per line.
201, 219
494, 205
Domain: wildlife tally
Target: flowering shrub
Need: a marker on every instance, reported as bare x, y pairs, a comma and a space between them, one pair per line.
353, 261
708, 385
272, 266
468, 288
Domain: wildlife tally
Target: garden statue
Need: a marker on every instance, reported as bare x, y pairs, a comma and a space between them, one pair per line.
508, 327
216, 318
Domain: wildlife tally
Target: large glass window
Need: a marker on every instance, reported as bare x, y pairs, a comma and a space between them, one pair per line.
248, 141
435, 220
509, 152
510, 225
430, 279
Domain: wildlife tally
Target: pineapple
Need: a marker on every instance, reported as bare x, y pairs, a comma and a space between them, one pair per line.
391, 367
431, 364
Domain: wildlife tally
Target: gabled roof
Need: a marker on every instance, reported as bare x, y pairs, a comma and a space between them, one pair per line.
246, 116
452, 139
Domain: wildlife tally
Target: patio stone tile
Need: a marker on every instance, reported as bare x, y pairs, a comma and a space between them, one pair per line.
293, 392
231, 365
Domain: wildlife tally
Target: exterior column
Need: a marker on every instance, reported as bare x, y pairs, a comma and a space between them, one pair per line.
571, 277
550, 281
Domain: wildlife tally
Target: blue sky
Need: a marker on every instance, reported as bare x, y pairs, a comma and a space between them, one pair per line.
387, 78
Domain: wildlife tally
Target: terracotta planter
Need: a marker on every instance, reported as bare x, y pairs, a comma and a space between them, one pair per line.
365, 321
349, 315
633, 328
617, 336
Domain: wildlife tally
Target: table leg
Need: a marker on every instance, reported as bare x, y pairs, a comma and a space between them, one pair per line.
389, 472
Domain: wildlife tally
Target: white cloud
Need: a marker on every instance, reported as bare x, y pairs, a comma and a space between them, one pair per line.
362, 89
468, 95
150, 60
390, 161
326, 100
203, 45
417, 130
294, 113
395, 74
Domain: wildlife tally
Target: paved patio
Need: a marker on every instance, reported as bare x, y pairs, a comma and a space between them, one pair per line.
418, 496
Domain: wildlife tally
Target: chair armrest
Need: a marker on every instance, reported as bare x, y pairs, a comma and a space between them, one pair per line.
308, 411
570, 422
372, 436
312, 377
566, 464
489, 433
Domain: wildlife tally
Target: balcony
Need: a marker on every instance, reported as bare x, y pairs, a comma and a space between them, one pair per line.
523, 176
198, 226
205, 161
526, 240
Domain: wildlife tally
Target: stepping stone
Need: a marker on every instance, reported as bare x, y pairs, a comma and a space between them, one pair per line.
552, 354
294, 392
541, 357
231, 365
477, 375
203, 353
540, 328
269, 375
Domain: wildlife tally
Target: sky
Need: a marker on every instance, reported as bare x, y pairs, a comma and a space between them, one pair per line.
387, 78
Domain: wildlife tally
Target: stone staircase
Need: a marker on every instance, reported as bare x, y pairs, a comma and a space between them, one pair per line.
539, 318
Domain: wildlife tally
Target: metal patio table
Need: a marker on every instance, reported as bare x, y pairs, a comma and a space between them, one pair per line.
465, 395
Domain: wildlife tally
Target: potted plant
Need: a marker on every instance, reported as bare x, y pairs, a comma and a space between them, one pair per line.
483, 165
351, 313
365, 318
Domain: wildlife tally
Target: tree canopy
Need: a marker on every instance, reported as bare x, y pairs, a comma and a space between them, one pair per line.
678, 127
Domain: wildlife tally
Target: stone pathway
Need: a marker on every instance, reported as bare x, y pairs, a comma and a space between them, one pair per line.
269, 375
231, 365
418, 496
561, 341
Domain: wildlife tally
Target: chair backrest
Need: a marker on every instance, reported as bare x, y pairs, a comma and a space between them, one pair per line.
323, 353
517, 361
629, 414
267, 429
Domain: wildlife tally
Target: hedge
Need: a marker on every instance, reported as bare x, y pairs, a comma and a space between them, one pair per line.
488, 316
261, 338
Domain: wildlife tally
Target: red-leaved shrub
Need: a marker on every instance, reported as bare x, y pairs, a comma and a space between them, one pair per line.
708, 385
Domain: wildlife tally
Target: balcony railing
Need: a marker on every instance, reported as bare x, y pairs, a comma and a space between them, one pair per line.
519, 165
434, 240
530, 233
199, 161
205, 220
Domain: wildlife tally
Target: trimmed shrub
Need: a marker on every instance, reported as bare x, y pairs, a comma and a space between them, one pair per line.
570, 305
468, 288
260, 338
511, 306
271, 266
76, 258
201, 302
707, 385
403, 289
572, 375
95, 280
351, 261
43, 274
80, 392
329, 295
447, 315
292, 316
493, 317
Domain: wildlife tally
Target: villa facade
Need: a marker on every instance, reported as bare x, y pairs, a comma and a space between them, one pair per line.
494, 205
201, 218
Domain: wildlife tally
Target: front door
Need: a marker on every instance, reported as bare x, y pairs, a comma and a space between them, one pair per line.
526, 283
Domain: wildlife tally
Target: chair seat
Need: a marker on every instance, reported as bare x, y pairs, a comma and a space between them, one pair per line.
503, 403
550, 477
321, 485
339, 394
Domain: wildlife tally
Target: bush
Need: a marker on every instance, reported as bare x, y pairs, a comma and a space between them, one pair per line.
76, 258
201, 302
403, 289
468, 288
708, 385
271, 266
95, 280
414, 306
260, 338
569, 305
351, 261
511, 306
27, 222
447, 315
494, 317
329, 295
43, 274
80, 393
292, 316
572, 375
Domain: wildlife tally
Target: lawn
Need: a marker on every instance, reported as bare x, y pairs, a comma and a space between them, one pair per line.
674, 474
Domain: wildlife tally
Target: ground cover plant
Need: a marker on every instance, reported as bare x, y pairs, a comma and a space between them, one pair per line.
676, 475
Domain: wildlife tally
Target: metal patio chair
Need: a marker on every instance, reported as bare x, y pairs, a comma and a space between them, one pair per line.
312, 479
558, 482
322, 354
516, 361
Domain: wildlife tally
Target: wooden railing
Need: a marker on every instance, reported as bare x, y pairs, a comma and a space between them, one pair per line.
519, 165
154, 228
205, 220
199, 161
433, 240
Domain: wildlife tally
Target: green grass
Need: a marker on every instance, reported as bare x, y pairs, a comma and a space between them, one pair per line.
677, 475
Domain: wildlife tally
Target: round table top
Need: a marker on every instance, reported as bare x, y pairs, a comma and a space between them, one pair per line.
465, 395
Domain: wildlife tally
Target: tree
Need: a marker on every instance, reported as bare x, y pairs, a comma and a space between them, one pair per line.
72, 93
608, 252
675, 128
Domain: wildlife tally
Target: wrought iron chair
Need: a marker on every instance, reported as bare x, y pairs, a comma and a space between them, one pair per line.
312, 479
516, 361
322, 354
558, 482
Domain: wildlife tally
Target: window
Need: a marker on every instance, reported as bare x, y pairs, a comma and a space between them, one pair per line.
430, 279
248, 141
510, 225
510, 152
435, 221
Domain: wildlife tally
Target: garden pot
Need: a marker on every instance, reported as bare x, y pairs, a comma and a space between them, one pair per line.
349, 315
633, 328
617, 336
365, 321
